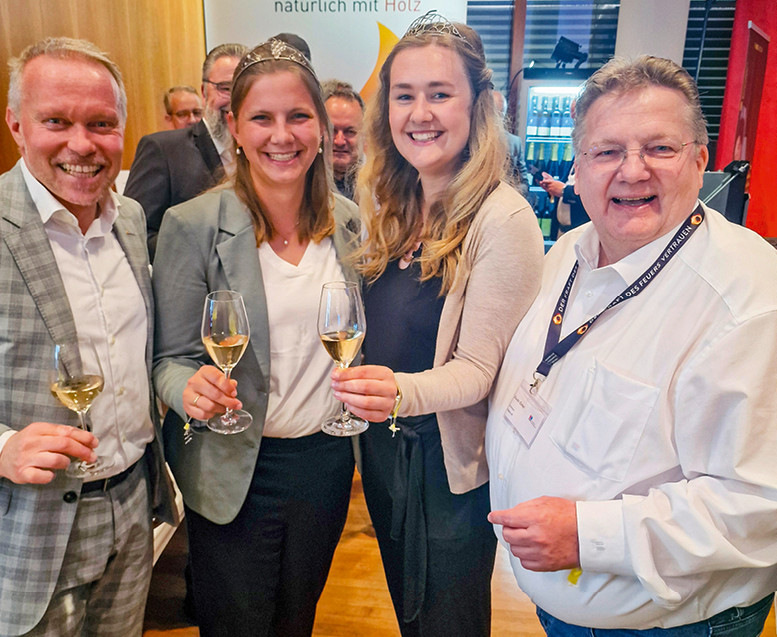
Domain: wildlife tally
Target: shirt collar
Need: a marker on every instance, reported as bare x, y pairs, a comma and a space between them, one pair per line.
48, 205
630, 267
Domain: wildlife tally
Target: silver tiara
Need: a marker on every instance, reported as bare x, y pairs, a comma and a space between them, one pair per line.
270, 51
432, 23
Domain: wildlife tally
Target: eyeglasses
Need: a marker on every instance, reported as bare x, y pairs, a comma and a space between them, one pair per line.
657, 154
221, 87
196, 112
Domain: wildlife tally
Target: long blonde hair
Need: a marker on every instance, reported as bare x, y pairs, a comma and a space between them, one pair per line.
316, 220
389, 188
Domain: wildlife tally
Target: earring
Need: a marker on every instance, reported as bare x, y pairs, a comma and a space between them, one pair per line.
239, 150
321, 149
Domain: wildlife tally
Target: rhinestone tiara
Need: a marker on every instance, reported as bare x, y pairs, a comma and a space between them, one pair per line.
270, 51
433, 23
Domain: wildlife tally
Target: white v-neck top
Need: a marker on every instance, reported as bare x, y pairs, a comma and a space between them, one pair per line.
300, 391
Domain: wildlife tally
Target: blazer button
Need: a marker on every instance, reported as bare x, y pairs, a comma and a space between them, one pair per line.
70, 496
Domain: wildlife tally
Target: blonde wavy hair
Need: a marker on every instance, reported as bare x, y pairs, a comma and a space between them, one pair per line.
316, 218
389, 189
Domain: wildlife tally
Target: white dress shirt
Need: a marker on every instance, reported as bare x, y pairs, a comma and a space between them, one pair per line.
108, 308
662, 426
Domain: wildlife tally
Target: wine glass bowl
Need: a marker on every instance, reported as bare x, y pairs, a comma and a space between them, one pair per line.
225, 334
341, 327
77, 389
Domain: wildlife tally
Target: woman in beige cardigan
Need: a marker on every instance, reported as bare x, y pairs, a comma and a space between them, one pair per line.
452, 259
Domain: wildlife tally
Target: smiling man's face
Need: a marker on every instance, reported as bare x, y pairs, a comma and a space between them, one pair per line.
638, 200
69, 130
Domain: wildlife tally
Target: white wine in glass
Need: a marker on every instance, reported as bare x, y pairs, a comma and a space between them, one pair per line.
341, 327
77, 390
225, 334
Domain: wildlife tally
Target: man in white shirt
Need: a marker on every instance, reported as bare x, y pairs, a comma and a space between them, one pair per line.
633, 460
75, 554
171, 167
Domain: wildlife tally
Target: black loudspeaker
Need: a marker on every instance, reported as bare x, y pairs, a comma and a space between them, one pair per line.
725, 191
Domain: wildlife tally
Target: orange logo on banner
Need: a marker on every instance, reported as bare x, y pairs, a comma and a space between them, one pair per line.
582, 329
557, 319
387, 41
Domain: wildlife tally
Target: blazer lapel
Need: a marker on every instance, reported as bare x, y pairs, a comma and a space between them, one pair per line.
207, 148
133, 242
28, 243
240, 260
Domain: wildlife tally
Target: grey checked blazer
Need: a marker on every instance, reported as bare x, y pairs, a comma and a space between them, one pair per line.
207, 244
35, 520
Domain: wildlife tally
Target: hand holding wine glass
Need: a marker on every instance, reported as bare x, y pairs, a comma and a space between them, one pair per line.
225, 334
369, 390
77, 389
341, 326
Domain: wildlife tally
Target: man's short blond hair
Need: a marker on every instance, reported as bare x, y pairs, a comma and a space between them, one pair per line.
64, 48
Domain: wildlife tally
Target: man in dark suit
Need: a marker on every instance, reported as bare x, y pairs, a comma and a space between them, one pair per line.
75, 554
174, 166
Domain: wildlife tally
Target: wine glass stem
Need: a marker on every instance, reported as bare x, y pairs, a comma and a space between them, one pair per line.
227, 374
345, 415
82, 421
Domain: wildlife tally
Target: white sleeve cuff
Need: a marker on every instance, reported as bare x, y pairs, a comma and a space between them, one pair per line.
601, 537
4, 438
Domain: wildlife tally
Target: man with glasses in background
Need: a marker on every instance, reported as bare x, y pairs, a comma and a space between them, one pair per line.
183, 106
632, 434
174, 166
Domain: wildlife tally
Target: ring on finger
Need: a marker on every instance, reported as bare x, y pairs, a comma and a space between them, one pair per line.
196, 398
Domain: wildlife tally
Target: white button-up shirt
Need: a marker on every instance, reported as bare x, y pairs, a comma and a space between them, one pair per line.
662, 426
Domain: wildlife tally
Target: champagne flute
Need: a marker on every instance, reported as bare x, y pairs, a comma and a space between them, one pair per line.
341, 327
225, 334
76, 389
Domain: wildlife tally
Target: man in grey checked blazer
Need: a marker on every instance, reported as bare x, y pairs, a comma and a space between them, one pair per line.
75, 556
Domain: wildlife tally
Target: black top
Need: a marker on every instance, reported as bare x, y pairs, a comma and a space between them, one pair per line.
402, 315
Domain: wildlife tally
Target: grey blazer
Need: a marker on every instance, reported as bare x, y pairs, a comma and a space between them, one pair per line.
35, 520
208, 244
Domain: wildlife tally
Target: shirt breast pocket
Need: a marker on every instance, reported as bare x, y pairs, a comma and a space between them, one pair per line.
613, 414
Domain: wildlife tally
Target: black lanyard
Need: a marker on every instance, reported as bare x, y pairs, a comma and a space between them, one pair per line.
554, 349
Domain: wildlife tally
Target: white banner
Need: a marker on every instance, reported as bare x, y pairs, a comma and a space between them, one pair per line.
348, 39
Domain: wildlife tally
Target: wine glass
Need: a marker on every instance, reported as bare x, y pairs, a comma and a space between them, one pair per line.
225, 334
341, 327
76, 389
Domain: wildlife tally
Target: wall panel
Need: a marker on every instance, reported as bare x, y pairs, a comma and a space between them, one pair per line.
156, 45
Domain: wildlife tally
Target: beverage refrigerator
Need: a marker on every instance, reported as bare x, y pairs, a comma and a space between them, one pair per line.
544, 122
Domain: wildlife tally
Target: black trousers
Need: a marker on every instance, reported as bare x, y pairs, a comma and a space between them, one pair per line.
262, 573
460, 542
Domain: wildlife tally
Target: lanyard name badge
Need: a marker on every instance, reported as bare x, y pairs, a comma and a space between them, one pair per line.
527, 411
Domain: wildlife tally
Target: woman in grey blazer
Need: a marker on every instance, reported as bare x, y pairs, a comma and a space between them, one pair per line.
265, 507
453, 257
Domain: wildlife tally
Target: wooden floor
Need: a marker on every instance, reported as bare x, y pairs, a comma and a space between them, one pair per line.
355, 602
